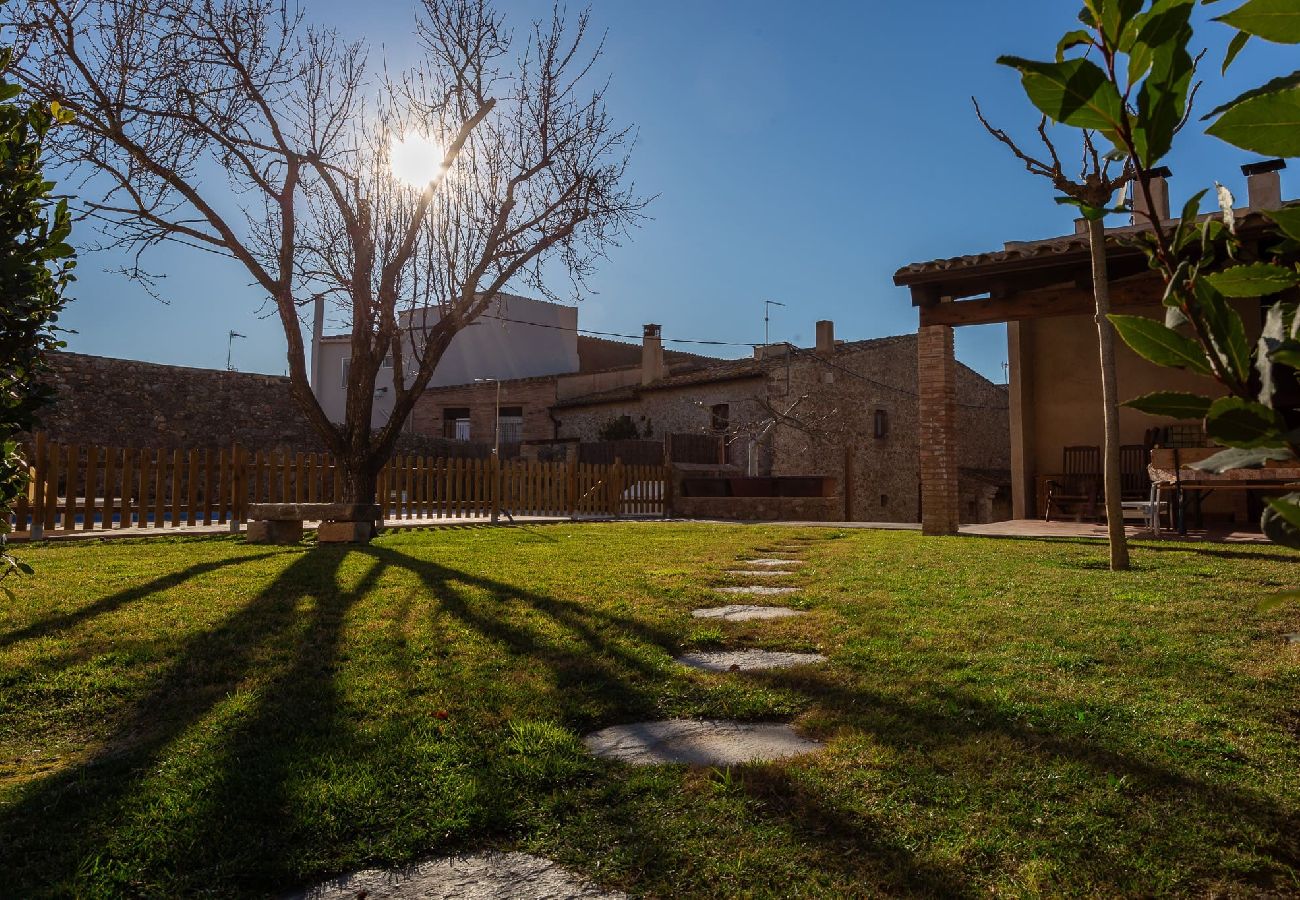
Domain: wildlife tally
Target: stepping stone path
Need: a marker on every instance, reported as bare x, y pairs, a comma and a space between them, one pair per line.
761, 590
718, 742
698, 742
747, 660
482, 876
1293, 638
746, 613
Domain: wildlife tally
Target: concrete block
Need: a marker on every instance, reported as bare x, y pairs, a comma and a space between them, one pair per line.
273, 531
343, 533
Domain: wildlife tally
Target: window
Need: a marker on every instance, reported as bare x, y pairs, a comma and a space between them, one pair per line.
721, 416
511, 424
884, 500
455, 423
881, 423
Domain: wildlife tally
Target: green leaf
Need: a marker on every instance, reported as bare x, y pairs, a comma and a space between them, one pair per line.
1162, 97
1255, 280
1174, 404
1163, 346
1077, 38
1091, 213
1281, 83
1272, 20
1239, 458
1281, 521
1243, 423
1226, 329
1239, 41
1268, 124
1288, 220
1116, 16
1075, 92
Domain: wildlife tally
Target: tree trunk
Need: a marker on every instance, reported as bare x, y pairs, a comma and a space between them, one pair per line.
360, 480
1119, 560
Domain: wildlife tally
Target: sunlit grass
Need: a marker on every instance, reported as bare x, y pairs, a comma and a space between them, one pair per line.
1001, 716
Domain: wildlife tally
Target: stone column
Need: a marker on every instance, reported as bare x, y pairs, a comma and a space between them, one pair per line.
937, 437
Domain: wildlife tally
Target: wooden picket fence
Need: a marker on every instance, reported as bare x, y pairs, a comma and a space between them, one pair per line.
89, 488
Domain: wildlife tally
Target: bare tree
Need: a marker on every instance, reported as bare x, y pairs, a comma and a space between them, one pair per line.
236, 127
1094, 191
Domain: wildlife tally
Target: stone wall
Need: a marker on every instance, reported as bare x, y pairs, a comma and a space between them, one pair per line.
534, 395
825, 410
760, 509
685, 410
127, 403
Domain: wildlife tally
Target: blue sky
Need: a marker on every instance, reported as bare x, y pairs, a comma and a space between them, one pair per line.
801, 152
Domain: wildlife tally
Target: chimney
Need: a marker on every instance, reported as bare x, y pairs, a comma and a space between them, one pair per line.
1264, 184
826, 338
652, 355
1159, 197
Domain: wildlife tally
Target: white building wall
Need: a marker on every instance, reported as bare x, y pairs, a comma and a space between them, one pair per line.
517, 338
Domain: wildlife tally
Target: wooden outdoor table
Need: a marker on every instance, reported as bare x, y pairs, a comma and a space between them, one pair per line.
1171, 470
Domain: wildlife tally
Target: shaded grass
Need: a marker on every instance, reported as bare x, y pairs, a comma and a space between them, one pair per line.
200, 716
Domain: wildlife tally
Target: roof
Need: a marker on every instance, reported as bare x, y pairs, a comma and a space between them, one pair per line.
732, 370
1015, 255
597, 354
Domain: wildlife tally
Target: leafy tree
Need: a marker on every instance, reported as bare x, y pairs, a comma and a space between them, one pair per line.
35, 268
1127, 74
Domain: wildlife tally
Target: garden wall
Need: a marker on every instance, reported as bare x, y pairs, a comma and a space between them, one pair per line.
128, 403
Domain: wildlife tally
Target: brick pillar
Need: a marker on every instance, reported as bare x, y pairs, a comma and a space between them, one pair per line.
937, 440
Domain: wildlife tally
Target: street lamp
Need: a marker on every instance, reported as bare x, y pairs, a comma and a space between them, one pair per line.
496, 449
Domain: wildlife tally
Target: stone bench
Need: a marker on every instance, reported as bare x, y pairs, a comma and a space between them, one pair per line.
340, 523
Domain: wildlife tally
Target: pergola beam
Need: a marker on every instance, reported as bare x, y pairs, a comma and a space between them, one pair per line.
1039, 304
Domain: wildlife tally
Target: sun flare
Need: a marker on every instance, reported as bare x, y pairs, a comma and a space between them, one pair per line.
414, 159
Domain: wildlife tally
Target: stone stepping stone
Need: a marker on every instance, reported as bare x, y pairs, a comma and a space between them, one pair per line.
760, 590
698, 742
481, 876
746, 613
747, 660
771, 562
1292, 638
758, 573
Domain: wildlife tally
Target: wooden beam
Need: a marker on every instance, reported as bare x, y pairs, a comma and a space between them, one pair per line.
1041, 304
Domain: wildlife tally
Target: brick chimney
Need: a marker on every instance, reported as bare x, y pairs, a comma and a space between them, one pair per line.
1159, 197
826, 338
1264, 184
652, 354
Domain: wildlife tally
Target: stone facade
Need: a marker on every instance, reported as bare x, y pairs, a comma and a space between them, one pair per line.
854, 413
533, 396
126, 403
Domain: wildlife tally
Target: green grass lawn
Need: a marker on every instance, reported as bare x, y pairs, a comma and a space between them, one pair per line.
1006, 717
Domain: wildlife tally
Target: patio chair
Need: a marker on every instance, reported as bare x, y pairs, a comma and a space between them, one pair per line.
1077, 490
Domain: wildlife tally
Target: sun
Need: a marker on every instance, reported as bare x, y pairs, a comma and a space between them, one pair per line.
414, 159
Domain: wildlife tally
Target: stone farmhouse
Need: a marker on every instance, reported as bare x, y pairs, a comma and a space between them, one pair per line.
843, 410
1042, 290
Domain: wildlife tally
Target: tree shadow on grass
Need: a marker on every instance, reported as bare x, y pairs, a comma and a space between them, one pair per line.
929, 729
207, 780
122, 598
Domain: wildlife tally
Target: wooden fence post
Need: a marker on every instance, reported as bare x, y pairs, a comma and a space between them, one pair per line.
38, 484
669, 490
571, 488
616, 487
238, 486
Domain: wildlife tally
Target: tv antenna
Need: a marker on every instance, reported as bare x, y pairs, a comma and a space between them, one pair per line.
230, 347
767, 318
